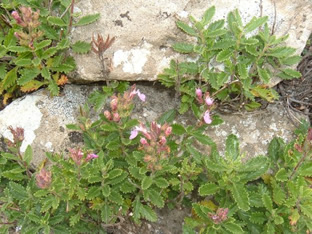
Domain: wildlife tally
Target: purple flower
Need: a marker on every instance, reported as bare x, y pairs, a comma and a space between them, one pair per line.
141, 95
91, 156
207, 117
133, 134
209, 101
138, 129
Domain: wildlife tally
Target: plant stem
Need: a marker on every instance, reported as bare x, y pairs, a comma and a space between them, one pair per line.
298, 165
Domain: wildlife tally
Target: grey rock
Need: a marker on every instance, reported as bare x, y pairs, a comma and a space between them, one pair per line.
146, 30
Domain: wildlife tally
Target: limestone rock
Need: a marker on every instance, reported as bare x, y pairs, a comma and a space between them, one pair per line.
146, 29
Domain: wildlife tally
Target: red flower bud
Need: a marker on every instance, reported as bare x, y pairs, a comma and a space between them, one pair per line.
143, 141
168, 131
114, 103
116, 117
108, 115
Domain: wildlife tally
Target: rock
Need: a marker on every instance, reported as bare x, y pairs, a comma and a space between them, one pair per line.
44, 120
146, 29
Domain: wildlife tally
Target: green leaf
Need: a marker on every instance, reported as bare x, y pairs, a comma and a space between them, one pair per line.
81, 193
119, 179
223, 44
88, 19
258, 217
146, 182
208, 15
106, 214
279, 194
255, 23
27, 75
292, 73
208, 189
306, 169
23, 62
242, 71
93, 192
49, 53
263, 74
267, 202
42, 44
28, 155
81, 47
167, 117
9, 79
233, 227
281, 52
291, 60
114, 173
204, 139
45, 73
306, 209
232, 147
224, 55
19, 49
185, 28
216, 167
281, 175
106, 190
240, 195
184, 48
127, 187
56, 21
116, 197
252, 50
161, 182
113, 145
249, 41
17, 191
36, 62
214, 33
252, 106
178, 129
73, 127
148, 213
74, 219
155, 198
218, 24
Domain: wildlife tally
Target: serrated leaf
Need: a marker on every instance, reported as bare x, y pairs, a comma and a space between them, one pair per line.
252, 50
216, 167
146, 182
56, 21
148, 213
118, 179
233, 227
209, 13
202, 138
197, 208
53, 88
49, 53
208, 189
36, 61
28, 155
161, 182
183, 47
127, 187
81, 47
42, 44
178, 129
93, 192
281, 52
187, 29
214, 33
34, 218
17, 191
291, 60
106, 190
45, 73
19, 49
240, 195
267, 202
249, 41
242, 71
31, 86
281, 175
106, 213
81, 193
292, 73
306, 169
232, 147
88, 19
114, 173
223, 44
9, 79
27, 75
306, 209
116, 197
258, 217
224, 55
255, 23
167, 117
74, 219
23, 62
263, 74
155, 198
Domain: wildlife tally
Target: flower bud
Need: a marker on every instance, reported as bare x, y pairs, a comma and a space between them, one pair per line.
17, 35
91, 156
208, 101
143, 141
18, 19
114, 103
43, 179
207, 117
168, 131
116, 117
108, 115
199, 95
147, 158
162, 140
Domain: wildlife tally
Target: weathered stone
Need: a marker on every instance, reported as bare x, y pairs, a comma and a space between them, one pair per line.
145, 31
44, 120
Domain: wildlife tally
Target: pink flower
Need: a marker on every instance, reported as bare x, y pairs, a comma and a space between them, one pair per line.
91, 156
209, 101
116, 117
108, 115
133, 134
143, 141
137, 92
207, 117
18, 19
168, 131
162, 140
76, 155
114, 103
199, 95
43, 178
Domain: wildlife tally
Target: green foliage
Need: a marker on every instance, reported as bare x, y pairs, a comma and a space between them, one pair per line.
236, 61
33, 48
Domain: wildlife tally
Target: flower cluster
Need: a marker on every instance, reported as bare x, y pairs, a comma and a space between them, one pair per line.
121, 106
153, 143
219, 216
205, 99
29, 22
77, 156
43, 178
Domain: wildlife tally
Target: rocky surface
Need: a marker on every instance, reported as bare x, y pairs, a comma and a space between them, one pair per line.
44, 120
146, 29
